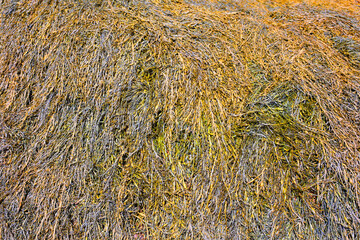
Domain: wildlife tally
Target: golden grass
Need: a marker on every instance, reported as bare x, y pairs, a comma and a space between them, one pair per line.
184, 119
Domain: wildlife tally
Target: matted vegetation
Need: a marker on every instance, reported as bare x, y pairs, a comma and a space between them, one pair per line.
179, 120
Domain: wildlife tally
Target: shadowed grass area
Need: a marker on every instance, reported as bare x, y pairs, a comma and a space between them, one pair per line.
179, 119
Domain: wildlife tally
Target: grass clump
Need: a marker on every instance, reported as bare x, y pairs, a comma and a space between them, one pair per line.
179, 120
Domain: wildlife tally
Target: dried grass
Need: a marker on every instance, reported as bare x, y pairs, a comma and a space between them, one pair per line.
182, 119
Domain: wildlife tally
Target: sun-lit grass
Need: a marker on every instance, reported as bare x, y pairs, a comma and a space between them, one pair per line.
185, 119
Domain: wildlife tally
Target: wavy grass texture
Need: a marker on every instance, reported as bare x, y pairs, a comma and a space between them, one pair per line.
184, 119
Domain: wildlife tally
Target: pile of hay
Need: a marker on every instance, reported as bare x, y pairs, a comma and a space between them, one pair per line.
187, 119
